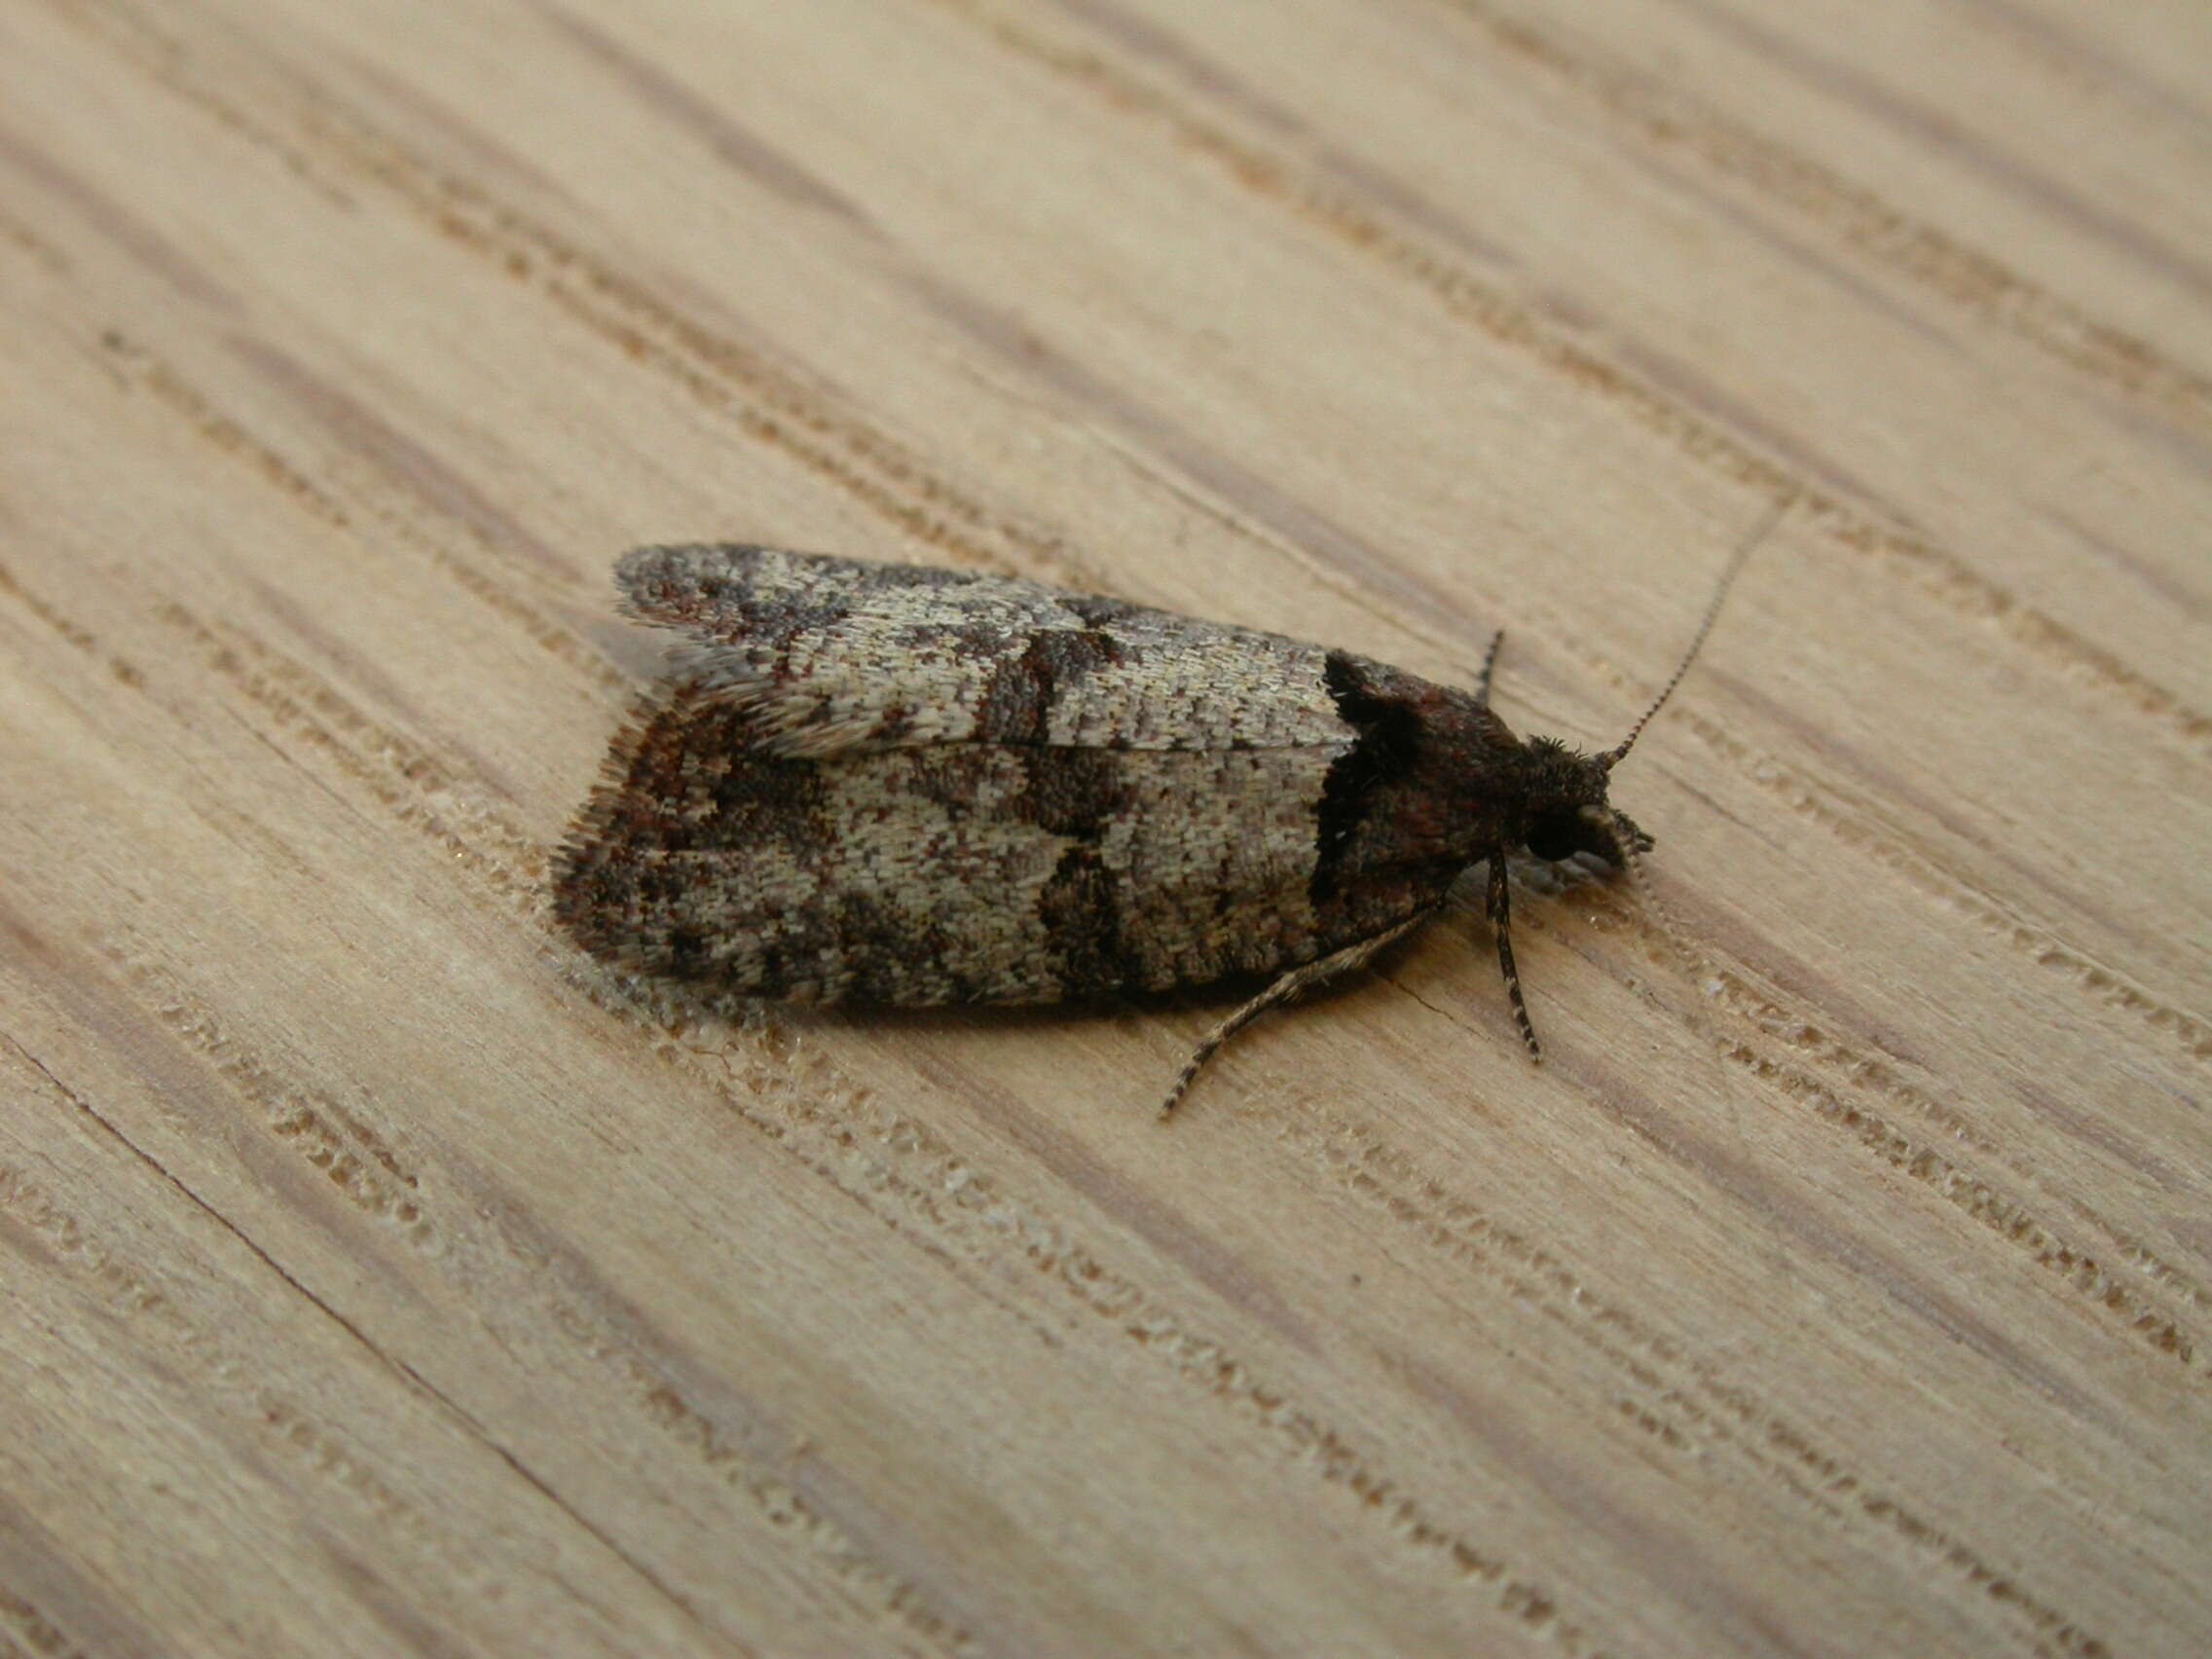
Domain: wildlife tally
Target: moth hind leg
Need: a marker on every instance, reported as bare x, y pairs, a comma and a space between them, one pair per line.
1299, 979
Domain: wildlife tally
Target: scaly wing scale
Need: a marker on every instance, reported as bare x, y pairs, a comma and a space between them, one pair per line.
828, 657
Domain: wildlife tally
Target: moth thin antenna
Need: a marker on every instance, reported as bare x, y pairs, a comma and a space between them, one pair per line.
1744, 550
1490, 664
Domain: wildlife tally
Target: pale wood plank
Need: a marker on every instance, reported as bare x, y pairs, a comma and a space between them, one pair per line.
381, 1279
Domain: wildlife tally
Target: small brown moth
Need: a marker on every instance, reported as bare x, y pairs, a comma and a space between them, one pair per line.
889, 785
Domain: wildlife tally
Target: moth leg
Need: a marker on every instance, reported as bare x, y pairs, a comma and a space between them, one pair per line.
1489, 661
1302, 978
1502, 919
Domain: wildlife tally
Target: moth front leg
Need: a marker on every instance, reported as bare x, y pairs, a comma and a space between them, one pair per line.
1302, 978
1502, 919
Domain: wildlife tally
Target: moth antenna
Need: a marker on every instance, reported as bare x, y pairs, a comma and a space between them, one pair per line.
1489, 665
1744, 550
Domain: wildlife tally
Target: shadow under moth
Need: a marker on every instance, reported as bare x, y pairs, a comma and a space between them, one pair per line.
889, 785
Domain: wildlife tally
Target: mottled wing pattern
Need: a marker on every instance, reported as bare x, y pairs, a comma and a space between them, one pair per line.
836, 655
879, 783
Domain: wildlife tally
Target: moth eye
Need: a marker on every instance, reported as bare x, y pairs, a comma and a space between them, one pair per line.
1555, 838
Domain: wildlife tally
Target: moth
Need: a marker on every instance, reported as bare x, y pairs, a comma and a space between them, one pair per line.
889, 785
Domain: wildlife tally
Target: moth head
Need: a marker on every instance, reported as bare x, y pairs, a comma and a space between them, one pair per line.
1566, 810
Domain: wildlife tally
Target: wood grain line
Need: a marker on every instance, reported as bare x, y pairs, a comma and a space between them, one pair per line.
133, 1292
1685, 1399
2079, 58
128, 231
1929, 126
317, 1448
409, 781
2036, 942
33, 1630
907, 1170
771, 403
730, 142
33, 246
73, 633
341, 1150
1860, 1074
141, 364
1665, 117
1288, 183
40, 1573
373, 441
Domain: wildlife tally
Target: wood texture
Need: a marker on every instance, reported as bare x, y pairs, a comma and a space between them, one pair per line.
381, 1279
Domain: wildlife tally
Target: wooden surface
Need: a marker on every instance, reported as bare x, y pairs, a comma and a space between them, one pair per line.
381, 1279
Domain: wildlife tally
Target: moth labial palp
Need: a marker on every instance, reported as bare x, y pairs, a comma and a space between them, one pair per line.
889, 785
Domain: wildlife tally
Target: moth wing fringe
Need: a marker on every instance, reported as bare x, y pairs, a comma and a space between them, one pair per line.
586, 839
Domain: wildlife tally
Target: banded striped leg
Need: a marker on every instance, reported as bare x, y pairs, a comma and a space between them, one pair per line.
1304, 978
1502, 918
